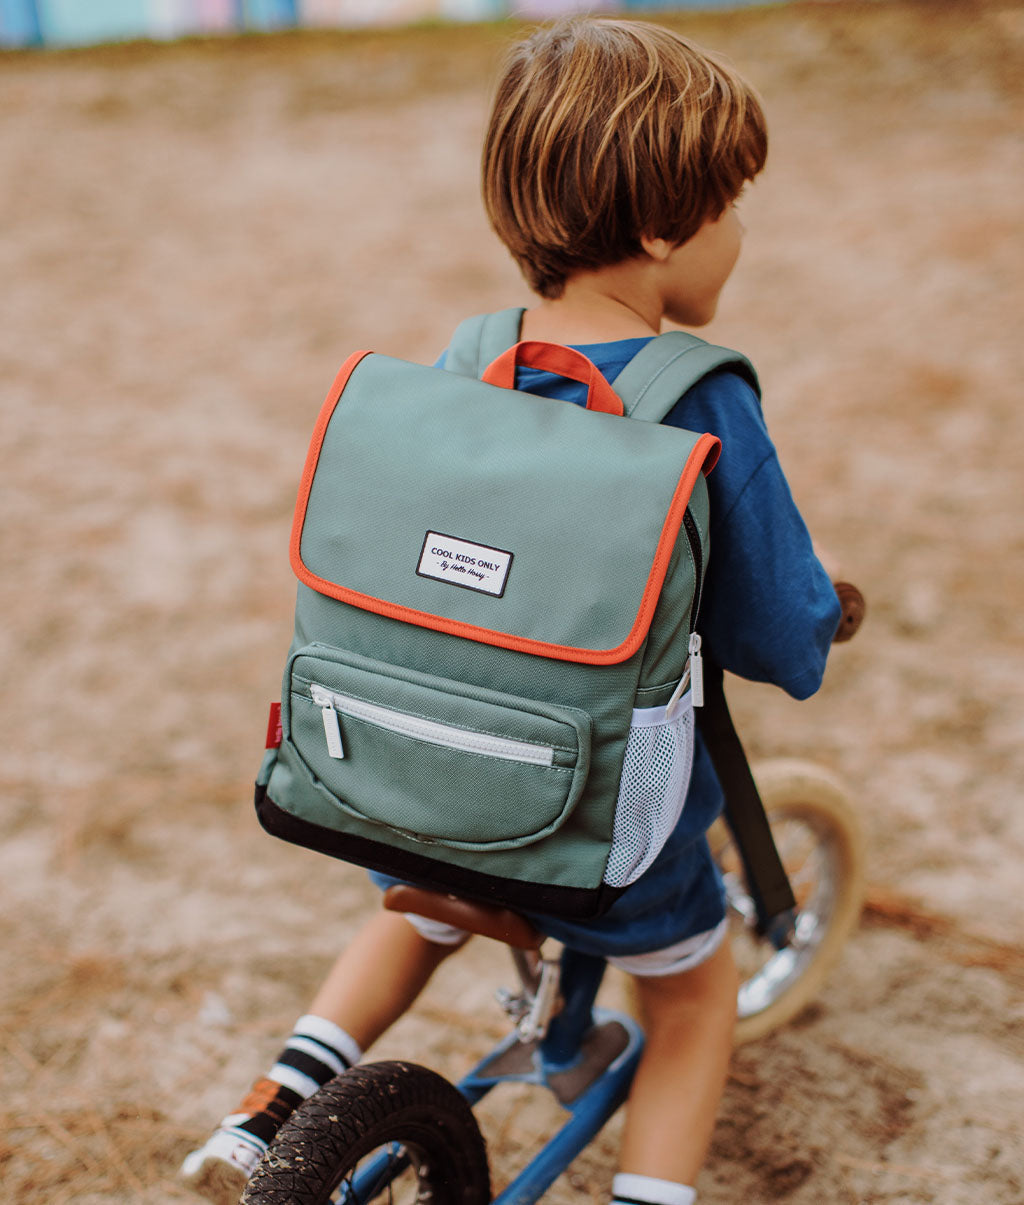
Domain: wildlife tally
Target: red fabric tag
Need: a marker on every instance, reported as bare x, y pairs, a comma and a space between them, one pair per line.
274, 733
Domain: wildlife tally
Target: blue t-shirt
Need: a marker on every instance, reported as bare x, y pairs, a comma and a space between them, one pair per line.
768, 613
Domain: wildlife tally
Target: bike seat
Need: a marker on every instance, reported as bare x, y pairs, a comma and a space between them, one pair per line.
488, 920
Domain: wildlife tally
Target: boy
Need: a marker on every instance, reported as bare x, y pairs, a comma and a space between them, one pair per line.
615, 154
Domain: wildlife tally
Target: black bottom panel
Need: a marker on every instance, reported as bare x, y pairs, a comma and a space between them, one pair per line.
568, 903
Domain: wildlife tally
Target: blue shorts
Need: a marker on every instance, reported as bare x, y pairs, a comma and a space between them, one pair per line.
670, 920
645, 932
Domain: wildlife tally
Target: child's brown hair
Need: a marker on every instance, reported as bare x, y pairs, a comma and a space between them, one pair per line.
604, 131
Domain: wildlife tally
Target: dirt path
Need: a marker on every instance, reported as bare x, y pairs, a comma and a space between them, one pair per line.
191, 238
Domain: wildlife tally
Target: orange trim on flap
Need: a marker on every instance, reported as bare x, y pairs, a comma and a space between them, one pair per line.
313, 456
712, 457
701, 459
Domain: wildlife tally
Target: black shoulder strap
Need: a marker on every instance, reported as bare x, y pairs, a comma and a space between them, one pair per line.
766, 877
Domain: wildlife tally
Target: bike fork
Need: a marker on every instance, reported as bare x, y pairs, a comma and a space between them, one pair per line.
586, 1057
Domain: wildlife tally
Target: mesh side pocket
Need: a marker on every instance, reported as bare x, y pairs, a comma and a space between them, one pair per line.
652, 791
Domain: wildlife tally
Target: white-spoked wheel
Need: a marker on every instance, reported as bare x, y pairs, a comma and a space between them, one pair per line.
820, 842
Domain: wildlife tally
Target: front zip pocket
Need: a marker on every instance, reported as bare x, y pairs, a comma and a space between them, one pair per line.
465, 740
437, 761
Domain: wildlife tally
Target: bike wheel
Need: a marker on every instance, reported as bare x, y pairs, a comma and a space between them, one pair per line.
819, 840
410, 1120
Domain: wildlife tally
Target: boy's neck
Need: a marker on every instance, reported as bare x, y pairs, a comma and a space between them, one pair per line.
595, 307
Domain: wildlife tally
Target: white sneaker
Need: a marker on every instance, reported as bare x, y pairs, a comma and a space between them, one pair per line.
220, 1169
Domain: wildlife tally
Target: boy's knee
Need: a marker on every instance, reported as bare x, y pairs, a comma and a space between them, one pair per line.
712, 985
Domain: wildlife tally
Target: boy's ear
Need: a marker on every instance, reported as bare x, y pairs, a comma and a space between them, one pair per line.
657, 248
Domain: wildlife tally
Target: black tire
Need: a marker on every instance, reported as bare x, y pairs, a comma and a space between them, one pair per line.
363, 1111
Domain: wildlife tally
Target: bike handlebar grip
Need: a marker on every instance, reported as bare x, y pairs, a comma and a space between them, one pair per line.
853, 608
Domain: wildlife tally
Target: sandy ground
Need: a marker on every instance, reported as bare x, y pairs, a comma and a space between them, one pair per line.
191, 239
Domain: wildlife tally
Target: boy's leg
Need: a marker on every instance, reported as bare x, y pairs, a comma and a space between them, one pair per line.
689, 1019
378, 976
370, 986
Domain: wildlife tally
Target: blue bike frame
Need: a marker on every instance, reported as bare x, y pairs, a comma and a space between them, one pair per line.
586, 1060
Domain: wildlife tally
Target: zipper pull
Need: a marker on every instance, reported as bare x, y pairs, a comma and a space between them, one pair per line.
693, 677
696, 671
332, 728
677, 694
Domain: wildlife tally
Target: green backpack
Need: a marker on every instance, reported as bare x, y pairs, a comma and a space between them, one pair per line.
490, 690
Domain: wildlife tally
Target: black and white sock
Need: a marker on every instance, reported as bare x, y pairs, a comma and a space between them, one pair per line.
630, 1189
316, 1052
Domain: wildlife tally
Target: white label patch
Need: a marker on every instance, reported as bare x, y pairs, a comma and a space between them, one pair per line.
472, 566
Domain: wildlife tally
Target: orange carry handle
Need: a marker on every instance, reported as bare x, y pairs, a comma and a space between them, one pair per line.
556, 358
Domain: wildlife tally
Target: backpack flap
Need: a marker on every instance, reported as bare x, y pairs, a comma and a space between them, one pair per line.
489, 513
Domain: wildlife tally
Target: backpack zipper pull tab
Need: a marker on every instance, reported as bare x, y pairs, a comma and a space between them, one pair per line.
696, 671
332, 727
677, 694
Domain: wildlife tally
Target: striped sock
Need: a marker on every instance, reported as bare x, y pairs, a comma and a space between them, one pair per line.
628, 1189
316, 1052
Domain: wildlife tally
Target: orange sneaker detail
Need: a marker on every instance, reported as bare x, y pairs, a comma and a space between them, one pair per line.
261, 1096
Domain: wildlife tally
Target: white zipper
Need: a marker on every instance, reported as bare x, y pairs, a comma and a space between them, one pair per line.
433, 733
693, 678
696, 670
